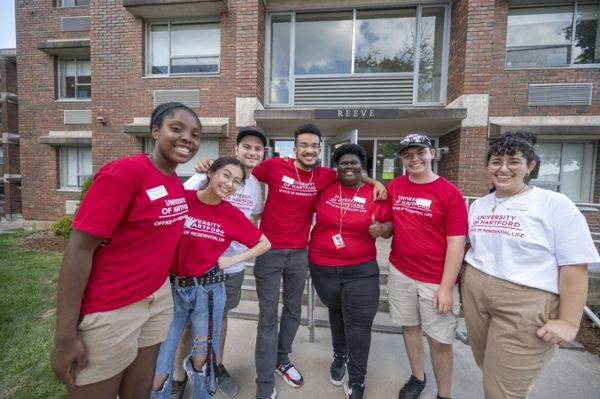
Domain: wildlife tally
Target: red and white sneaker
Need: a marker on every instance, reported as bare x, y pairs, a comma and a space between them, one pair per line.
290, 374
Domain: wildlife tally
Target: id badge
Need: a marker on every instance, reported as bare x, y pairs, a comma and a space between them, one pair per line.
338, 241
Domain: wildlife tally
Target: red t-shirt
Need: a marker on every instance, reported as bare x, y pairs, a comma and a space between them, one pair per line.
207, 233
287, 217
424, 215
360, 246
141, 211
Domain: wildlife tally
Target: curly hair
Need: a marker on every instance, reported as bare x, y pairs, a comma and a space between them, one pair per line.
511, 145
353, 149
307, 128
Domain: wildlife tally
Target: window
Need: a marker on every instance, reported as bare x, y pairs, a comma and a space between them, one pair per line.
561, 35
75, 79
0, 114
2, 198
73, 3
75, 166
566, 168
1, 155
358, 43
179, 48
209, 148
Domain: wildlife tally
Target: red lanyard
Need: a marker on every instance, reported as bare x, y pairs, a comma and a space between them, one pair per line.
342, 210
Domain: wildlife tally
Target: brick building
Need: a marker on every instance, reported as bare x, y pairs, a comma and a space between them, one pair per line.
10, 177
369, 71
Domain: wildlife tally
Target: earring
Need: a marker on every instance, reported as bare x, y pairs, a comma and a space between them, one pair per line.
527, 174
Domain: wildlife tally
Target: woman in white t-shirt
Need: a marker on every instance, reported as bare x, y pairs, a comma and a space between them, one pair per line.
524, 283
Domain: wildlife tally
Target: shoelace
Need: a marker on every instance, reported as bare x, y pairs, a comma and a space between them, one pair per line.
339, 361
413, 382
358, 387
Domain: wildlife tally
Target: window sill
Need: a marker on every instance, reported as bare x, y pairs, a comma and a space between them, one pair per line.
68, 190
212, 75
583, 66
587, 209
73, 100
71, 7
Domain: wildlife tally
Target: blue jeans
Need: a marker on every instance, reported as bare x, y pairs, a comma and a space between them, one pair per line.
351, 293
271, 348
191, 303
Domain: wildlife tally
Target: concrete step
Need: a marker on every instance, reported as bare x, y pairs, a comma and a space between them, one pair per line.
383, 271
249, 293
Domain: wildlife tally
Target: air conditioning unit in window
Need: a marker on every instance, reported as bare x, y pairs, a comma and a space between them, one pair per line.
71, 207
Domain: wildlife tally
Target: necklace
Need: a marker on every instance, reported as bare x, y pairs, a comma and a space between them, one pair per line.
498, 203
312, 174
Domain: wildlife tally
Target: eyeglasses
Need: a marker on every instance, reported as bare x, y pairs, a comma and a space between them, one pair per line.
226, 177
306, 146
512, 164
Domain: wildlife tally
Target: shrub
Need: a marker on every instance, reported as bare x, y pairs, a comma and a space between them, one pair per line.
62, 227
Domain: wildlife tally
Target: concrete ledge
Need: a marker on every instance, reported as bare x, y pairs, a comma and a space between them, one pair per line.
37, 225
71, 47
155, 9
554, 130
210, 126
67, 139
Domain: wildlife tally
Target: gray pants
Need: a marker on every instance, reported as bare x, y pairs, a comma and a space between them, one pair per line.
292, 265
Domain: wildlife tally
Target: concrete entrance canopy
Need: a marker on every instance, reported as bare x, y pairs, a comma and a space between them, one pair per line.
379, 122
67, 139
155, 9
210, 127
65, 47
563, 127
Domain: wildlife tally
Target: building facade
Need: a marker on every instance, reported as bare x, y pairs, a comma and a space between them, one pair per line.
10, 177
369, 71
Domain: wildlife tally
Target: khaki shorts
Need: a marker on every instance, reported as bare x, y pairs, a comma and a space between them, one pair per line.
111, 339
411, 304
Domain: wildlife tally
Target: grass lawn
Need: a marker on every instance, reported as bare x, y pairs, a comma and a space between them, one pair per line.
27, 315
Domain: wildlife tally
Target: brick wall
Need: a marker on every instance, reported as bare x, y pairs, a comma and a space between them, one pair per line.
120, 90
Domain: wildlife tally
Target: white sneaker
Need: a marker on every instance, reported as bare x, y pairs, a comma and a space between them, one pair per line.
290, 374
273, 395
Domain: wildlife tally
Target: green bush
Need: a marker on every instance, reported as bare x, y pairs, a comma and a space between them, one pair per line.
62, 227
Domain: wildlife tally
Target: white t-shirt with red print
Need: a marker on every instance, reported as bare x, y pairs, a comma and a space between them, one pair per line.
424, 215
355, 209
287, 217
207, 233
141, 211
528, 237
247, 198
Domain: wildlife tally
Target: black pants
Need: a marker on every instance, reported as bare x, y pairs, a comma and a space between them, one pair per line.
351, 293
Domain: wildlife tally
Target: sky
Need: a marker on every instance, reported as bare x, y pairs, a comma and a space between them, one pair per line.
7, 24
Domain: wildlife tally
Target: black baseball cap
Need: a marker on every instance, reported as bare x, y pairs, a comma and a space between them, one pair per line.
251, 131
414, 140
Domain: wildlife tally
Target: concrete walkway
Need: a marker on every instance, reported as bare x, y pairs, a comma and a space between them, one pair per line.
6, 227
571, 374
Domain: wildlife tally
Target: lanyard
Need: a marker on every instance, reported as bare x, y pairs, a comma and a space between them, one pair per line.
342, 210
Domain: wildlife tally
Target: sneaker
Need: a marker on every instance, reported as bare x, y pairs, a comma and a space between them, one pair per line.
441, 397
227, 385
338, 369
178, 388
273, 395
354, 390
413, 388
290, 374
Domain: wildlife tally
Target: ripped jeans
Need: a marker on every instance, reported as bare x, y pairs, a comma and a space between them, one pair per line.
192, 303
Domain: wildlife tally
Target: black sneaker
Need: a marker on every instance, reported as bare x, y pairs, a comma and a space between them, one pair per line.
178, 388
354, 389
441, 397
338, 369
413, 388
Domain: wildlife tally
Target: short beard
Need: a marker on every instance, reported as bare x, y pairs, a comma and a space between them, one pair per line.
307, 166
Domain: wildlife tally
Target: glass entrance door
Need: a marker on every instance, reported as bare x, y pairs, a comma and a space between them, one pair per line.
330, 145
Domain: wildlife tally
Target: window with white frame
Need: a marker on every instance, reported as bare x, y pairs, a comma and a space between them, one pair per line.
567, 167
75, 166
209, 148
561, 35
358, 43
183, 48
72, 3
2, 198
75, 79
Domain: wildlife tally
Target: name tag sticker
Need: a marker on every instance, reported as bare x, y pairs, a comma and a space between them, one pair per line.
518, 207
424, 202
156, 193
360, 199
288, 180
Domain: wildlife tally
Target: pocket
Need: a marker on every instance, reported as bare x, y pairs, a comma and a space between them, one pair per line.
83, 322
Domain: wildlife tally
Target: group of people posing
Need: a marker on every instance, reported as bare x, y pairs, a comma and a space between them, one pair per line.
152, 268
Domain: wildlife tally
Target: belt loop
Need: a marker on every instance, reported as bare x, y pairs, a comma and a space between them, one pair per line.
195, 281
